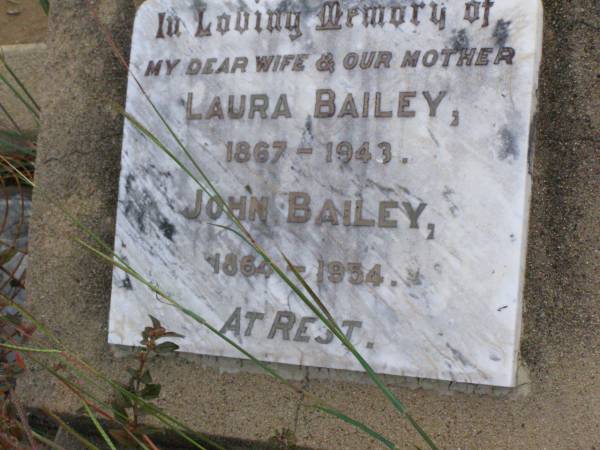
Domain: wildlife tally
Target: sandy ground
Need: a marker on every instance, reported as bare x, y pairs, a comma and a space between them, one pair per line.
22, 22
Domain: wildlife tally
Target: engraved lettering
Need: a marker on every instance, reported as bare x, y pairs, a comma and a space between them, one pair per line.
281, 108
413, 215
384, 215
215, 109
189, 107
292, 25
299, 207
397, 15
233, 323
239, 206
330, 16
300, 335
482, 58
430, 58
352, 325
466, 56
378, 112
171, 65
239, 26
328, 213
231, 112
325, 340
411, 58
173, 23
274, 21
154, 68
434, 103
348, 107
415, 15
440, 20
223, 22
202, 30
194, 67
359, 220
505, 54
259, 103
284, 322
252, 317
258, 208
325, 103
404, 103
373, 15
194, 213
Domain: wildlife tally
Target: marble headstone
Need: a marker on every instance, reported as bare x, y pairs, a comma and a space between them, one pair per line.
384, 147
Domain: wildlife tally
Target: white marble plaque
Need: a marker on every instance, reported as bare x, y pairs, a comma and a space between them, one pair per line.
384, 147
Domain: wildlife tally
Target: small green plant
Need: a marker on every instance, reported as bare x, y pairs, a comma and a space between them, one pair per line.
140, 384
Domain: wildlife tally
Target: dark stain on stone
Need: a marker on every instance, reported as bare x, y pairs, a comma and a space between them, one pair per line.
501, 32
459, 356
167, 228
129, 179
136, 214
447, 194
308, 127
414, 277
459, 40
126, 283
508, 147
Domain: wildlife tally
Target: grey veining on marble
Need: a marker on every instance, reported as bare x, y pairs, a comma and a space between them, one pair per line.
443, 212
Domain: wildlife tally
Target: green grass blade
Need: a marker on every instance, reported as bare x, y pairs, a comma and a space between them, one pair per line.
18, 81
67, 428
356, 424
19, 348
10, 118
17, 94
44, 440
45, 4
20, 150
98, 426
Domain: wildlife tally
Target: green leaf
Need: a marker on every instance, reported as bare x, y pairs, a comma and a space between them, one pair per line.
150, 392
119, 410
155, 322
172, 334
121, 399
45, 4
166, 347
99, 427
146, 378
